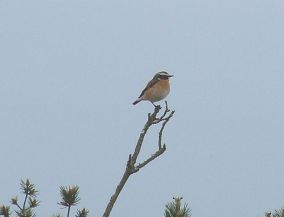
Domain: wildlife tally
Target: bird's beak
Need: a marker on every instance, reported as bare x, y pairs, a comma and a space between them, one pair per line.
170, 76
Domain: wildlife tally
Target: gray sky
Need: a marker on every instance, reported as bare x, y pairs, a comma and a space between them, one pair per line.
71, 69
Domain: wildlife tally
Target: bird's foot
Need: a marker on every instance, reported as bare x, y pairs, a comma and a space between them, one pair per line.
156, 106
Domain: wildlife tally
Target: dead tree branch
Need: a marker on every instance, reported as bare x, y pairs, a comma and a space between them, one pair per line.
132, 166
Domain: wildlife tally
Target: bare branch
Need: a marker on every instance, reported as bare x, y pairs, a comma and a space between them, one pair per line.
117, 192
162, 128
132, 158
152, 157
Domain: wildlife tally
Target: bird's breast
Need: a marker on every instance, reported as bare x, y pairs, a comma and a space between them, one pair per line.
159, 91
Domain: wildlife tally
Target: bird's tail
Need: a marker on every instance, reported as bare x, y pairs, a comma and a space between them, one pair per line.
136, 101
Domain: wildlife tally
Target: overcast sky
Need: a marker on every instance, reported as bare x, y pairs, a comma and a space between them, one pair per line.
70, 71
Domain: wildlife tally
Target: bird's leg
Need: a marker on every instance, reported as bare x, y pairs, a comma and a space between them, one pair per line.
153, 104
156, 106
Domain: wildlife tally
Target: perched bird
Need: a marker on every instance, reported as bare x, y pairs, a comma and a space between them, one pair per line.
157, 89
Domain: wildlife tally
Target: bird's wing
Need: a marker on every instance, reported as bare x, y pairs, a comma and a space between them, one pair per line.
149, 85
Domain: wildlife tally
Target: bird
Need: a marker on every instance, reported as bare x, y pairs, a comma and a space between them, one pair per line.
157, 89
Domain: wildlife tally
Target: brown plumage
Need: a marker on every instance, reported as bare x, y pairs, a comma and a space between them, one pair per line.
157, 89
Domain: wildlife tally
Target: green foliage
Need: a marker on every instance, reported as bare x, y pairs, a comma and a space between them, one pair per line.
82, 213
173, 209
5, 211
279, 213
30, 200
25, 213
28, 188
69, 196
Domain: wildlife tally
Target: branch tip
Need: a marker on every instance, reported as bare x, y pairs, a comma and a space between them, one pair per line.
129, 162
132, 167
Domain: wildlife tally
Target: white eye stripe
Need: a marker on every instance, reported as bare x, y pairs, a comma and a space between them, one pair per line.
163, 73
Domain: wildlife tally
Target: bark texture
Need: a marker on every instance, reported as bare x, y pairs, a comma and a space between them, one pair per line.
132, 166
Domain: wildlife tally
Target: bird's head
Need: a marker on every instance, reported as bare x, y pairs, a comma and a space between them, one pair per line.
163, 75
